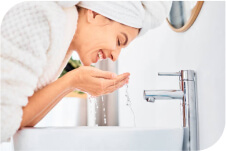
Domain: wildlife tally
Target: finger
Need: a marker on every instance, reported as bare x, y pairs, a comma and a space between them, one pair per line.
120, 78
105, 74
114, 88
121, 83
127, 81
102, 85
106, 83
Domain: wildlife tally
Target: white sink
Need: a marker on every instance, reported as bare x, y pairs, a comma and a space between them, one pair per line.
97, 138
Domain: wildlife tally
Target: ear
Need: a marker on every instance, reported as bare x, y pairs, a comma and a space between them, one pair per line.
96, 19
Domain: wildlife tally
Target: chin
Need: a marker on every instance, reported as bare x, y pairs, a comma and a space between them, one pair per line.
84, 63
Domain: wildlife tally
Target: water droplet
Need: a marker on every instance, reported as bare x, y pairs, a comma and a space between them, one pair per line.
128, 103
105, 121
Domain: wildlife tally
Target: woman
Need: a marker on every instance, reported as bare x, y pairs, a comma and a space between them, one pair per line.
38, 39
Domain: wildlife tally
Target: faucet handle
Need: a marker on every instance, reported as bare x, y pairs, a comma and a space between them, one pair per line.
169, 74
184, 75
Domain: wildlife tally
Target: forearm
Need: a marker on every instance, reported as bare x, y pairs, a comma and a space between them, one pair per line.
42, 101
46, 110
88, 79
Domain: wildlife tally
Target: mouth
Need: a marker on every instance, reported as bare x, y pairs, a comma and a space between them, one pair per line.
100, 55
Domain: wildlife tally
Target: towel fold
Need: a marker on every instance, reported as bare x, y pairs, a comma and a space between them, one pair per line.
138, 14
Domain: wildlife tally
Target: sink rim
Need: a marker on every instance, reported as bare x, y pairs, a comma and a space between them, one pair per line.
130, 136
119, 128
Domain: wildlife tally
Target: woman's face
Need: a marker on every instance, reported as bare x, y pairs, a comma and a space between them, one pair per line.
97, 34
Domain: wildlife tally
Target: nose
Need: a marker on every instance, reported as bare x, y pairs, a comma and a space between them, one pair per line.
115, 54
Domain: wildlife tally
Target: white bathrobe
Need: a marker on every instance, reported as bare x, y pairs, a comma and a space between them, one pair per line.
35, 37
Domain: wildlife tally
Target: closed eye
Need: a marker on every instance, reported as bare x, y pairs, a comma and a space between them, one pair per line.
119, 42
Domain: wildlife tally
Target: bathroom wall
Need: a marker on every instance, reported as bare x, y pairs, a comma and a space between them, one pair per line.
201, 48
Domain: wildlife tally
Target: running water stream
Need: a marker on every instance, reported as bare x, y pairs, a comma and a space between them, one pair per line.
93, 111
128, 103
103, 106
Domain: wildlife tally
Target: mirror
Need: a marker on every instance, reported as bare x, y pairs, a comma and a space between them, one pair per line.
183, 14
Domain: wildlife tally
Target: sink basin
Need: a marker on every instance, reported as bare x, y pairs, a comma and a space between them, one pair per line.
98, 138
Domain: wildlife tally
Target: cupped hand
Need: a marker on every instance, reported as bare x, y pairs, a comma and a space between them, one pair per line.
97, 82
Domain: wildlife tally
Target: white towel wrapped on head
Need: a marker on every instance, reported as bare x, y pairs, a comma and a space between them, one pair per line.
138, 14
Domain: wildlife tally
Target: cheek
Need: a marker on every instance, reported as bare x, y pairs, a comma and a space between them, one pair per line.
90, 44
108, 42
105, 37
88, 53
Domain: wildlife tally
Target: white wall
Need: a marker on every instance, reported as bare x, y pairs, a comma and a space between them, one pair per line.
202, 49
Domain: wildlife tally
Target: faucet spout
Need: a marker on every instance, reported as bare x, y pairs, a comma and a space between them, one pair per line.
152, 95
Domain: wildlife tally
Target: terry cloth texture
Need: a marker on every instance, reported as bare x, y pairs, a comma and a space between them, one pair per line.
145, 15
35, 37
138, 14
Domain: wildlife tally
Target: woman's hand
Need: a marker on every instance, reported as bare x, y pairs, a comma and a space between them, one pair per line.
96, 82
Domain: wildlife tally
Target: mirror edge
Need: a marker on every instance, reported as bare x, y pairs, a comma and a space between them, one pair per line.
191, 20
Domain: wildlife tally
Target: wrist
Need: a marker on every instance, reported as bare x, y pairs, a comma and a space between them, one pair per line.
70, 79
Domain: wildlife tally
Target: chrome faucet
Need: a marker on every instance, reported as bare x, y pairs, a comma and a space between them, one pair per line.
187, 94
152, 95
